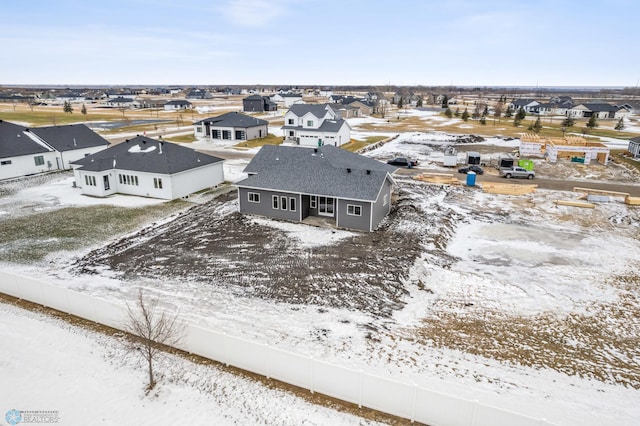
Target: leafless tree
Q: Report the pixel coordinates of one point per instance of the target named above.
(123, 109)
(153, 328)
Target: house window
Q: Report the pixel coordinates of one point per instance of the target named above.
(291, 133)
(274, 201)
(120, 179)
(240, 135)
(283, 203)
(226, 134)
(292, 204)
(5, 162)
(90, 180)
(314, 201)
(215, 134)
(199, 129)
(39, 160)
(385, 199)
(136, 180)
(353, 210)
(157, 183)
(290, 121)
(310, 123)
(254, 197)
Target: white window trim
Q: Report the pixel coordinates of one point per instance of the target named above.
(292, 202)
(314, 202)
(256, 197)
(275, 202)
(354, 206)
(283, 203)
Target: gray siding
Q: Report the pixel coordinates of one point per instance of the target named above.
(353, 222)
(265, 206)
(379, 209)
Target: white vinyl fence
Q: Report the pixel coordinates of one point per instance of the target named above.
(383, 394)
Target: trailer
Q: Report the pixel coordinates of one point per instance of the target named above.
(450, 157)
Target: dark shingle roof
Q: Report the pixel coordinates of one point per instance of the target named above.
(178, 102)
(143, 154)
(601, 106)
(16, 141)
(68, 138)
(522, 102)
(233, 119)
(119, 100)
(319, 110)
(327, 171)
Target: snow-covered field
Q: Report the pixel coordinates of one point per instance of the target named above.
(518, 259)
(87, 378)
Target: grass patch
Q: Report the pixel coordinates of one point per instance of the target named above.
(54, 117)
(27, 239)
(270, 139)
(355, 145)
(183, 138)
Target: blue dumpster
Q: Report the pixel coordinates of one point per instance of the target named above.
(471, 179)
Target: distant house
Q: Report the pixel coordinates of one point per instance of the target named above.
(346, 110)
(121, 102)
(22, 153)
(315, 125)
(199, 94)
(177, 105)
(365, 107)
(25, 151)
(634, 147)
(291, 98)
(295, 183)
(257, 103)
(529, 106)
(149, 168)
(231, 126)
(71, 142)
(601, 110)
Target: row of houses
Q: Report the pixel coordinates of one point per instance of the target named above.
(564, 105)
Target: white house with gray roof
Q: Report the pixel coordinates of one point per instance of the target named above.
(149, 168)
(26, 151)
(294, 183)
(315, 125)
(231, 126)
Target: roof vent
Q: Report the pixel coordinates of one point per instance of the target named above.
(160, 145)
(315, 149)
(368, 172)
(348, 170)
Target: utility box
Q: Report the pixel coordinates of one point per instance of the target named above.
(450, 157)
(473, 158)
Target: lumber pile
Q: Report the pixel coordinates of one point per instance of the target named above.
(600, 192)
(438, 178)
(575, 204)
(508, 188)
(632, 201)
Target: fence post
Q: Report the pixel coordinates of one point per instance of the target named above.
(473, 412)
(360, 388)
(267, 351)
(313, 377)
(225, 347)
(414, 399)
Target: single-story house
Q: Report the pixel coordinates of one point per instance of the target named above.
(601, 110)
(22, 153)
(294, 183)
(530, 106)
(634, 147)
(177, 105)
(231, 126)
(291, 98)
(315, 125)
(257, 103)
(71, 142)
(148, 168)
(121, 102)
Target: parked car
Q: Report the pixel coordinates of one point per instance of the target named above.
(471, 168)
(403, 162)
(517, 172)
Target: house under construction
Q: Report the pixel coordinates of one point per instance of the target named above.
(573, 148)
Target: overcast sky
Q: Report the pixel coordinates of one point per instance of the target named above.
(322, 42)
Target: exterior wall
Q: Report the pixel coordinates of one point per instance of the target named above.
(24, 165)
(343, 220)
(382, 206)
(66, 157)
(311, 138)
(250, 132)
(176, 186)
(265, 206)
(250, 105)
(622, 113)
(256, 132)
(634, 148)
(190, 181)
(288, 101)
(199, 130)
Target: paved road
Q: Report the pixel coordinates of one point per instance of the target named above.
(543, 183)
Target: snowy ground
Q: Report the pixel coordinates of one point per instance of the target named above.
(540, 272)
(99, 382)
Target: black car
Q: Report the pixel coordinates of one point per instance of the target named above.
(471, 168)
(403, 162)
